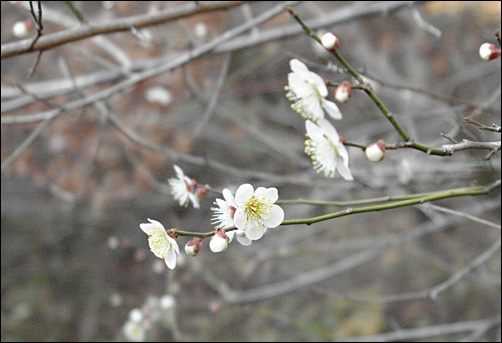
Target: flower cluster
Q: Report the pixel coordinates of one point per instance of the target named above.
(246, 216)
(308, 91)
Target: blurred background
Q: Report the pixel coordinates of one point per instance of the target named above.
(77, 267)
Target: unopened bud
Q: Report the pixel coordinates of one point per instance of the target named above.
(329, 41)
(219, 242)
(202, 192)
(342, 92)
(376, 151)
(488, 51)
(192, 247)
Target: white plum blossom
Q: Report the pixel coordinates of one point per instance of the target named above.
(308, 91)
(182, 188)
(223, 217)
(161, 244)
(325, 149)
(256, 210)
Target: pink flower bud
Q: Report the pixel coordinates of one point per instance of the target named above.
(488, 51)
(202, 192)
(342, 92)
(376, 151)
(193, 246)
(329, 41)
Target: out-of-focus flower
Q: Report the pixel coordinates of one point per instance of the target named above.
(193, 246)
(168, 310)
(488, 51)
(256, 210)
(182, 188)
(323, 146)
(134, 332)
(161, 244)
(219, 241)
(329, 41)
(308, 91)
(158, 95)
(22, 29)
(376, 151)
(134, 328)
(342, 92)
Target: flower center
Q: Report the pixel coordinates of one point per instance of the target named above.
(257, 210)
(158, 243)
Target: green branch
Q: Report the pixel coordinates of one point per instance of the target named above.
(398, 201)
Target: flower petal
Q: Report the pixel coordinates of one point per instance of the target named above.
(332, 109)
(271, 194)
(298, 67)
(154, 226)
(170, 259)
(243, 193)
(276, 218)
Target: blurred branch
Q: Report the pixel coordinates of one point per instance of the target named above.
(338, 16)
(479, 260)
(26, 144)
(465, 215)
(119, 25)
(429, 331)
(378, 248)
(153, 72)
